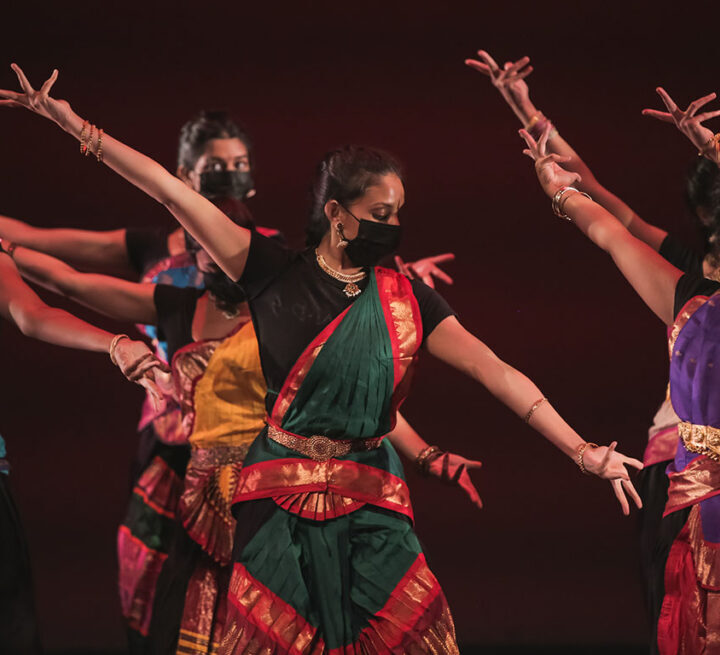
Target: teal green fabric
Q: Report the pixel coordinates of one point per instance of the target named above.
(336, 574)
(4, 466)
(347, 392)
(152, 528)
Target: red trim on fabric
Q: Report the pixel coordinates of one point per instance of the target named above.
(283, 490)
(239, 569)
(682, 309)
(384, 288)
(281, 501)
(202, 342)
(139, 491)
(267, 231)
(304, 357)
(126, 530)
(690, 503)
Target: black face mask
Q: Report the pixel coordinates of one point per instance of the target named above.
(233, 184)
(374, 241)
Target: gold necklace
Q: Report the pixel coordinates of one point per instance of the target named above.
(351, 289)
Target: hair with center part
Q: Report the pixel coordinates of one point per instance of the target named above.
(208, 125)
(345, 175)
(703, 191)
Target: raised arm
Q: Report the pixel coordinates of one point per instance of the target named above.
(652, 277)
(111, 296)
(454, 345)
(20, 305)
(101, 251)
(226, 242)
(510, 81)
(430, 460)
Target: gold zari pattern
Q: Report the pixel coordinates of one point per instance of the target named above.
(701, 439)
(318, 447)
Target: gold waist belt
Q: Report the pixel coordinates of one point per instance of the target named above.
(321, 448)
(702, 439)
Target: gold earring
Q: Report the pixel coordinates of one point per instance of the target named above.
(343, 241)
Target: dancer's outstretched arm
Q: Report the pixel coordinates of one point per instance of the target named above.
(21, 305)
(453, 344)
(510, 81)
(446, 466)
(226, 242)
(102, 251)
(111, 296)
(651, 275)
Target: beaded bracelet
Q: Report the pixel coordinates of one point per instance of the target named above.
(581, 452)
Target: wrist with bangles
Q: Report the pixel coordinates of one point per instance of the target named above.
(86, 141)
(560, 198)
(537, 124)
(580, 453)
(425, 457)
(113, 346)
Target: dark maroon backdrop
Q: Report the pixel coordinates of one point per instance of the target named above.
(550, 559)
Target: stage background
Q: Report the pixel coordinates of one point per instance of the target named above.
(550, 560)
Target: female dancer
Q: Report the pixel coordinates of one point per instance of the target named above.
(689, 621)
(210, 341)
(703, 195)
(20, 305)
(337, 337)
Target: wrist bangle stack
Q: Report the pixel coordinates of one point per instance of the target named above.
(581, 452)
(537, 125)
(535, 405)
(426, 456)
(86, 138)
(113, 346)
(560, 198)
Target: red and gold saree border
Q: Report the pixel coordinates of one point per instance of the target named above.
(698, 481)
(275, 478)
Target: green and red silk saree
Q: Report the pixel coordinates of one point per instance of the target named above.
(335, 566)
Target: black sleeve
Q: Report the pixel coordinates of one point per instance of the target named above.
(681, 256)
(267, 258)
(433, 307)
(145, 247)
(175, 309)
(689, 286)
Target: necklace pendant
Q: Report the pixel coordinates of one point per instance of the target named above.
(351, 290)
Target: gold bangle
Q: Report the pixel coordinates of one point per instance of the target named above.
(113, 345)
(533, 121)
(83, 147)
(89, 140)
(535, 405)
(581, 452)
(99, 153)
(560, 198)
(422, 461)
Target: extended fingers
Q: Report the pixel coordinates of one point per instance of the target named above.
(445, 257)
(441, 275)
(402, 266)
(660, 115)
(10, 103)
(700, 102)
(707, 115)
(45, 88)
(620, 495)
(630, 489)
(492, 64)
(532, 146)
(635, 463)
(466, 485)
(478, 66)
(428, 279)
(520, 63)
(669, 102)
(24, 82)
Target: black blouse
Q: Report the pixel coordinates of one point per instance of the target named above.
(175, 308)
(292, 300)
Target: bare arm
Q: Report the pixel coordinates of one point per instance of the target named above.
(97, 251)
(652, 277)
(454, 345)
(226, 242)
(510, 82)
(111, 296)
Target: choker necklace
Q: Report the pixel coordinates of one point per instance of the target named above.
(351, 289)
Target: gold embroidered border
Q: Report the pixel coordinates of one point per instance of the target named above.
(698, 480)
(701, 439)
